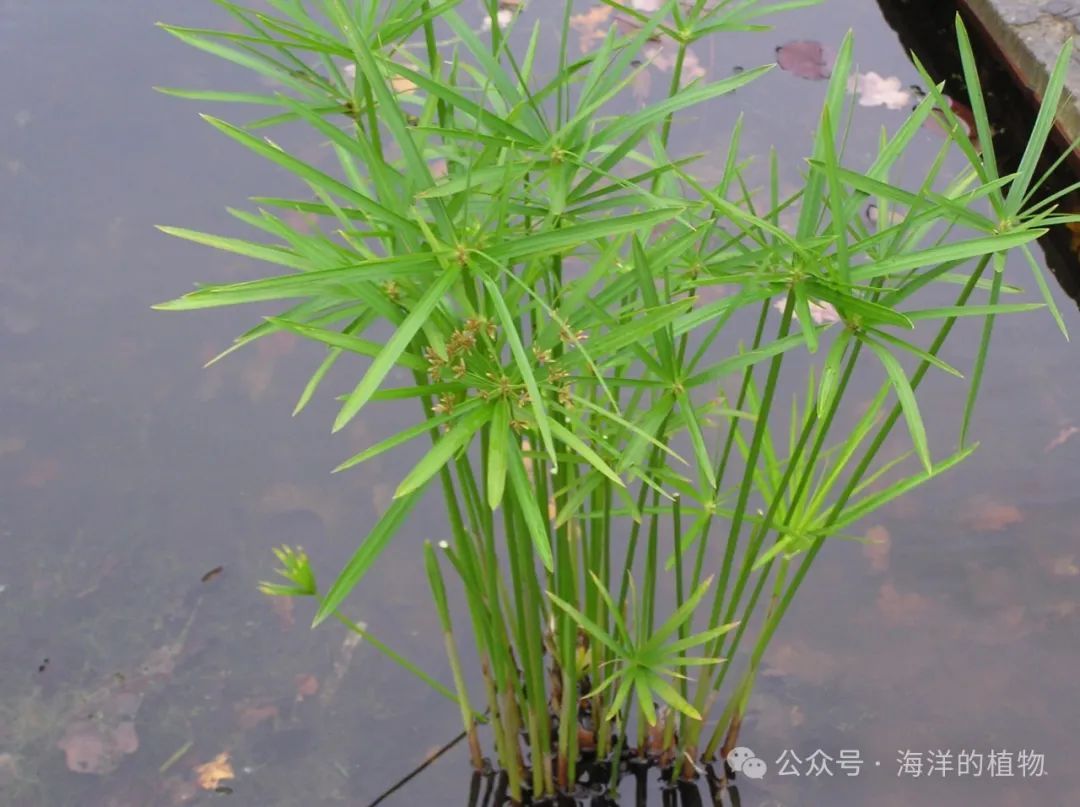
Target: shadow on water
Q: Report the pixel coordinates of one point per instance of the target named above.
(927, 29)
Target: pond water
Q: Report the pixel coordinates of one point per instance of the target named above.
(129, 473)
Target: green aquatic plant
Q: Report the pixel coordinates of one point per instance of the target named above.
(628, 500)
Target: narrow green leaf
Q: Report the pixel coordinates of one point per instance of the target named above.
(498, 437)
(524, 366)
(359, 564)
(396, 345)
(906, 396)
(526, 502)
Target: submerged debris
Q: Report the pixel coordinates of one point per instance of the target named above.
(102, 732)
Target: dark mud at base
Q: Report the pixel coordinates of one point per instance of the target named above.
(129, 473)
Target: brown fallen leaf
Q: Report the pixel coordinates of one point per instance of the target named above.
(211, 774)
(984, 514)
(877, 548)
(306, 686)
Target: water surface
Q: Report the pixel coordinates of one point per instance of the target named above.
(129, 472)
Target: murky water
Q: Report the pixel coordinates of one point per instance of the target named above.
(128, 473)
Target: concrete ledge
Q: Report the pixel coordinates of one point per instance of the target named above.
(1030, 33)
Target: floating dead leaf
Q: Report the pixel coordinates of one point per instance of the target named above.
(590, 26)
(211, 774)
(1062, 437)
(1065, 566)
(985, 514)
(877, 548)
(901, 608)
(876, 90)
(306, 686)
(806, 59)
(251, 712)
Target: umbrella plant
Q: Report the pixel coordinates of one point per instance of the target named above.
(594, 338)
